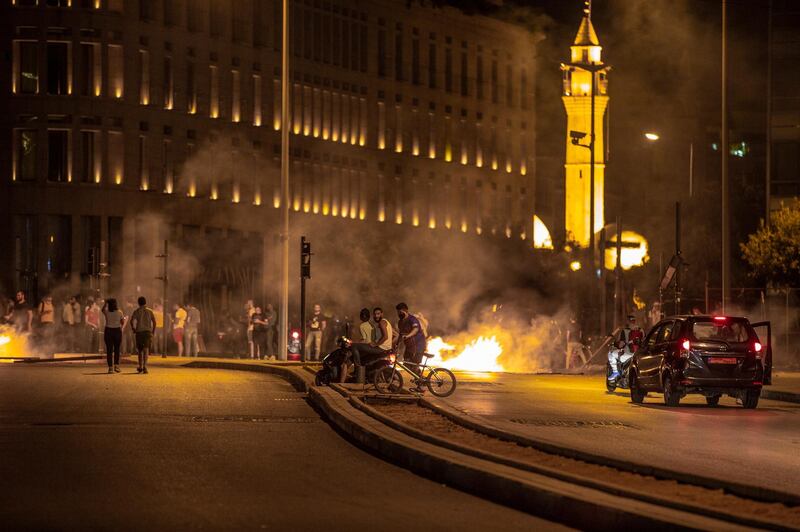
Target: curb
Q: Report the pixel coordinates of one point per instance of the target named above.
(485, 427)
(778, 395)
(550, 498)
(600, 485)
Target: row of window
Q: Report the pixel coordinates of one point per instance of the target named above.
(319, 112)
(457, 66)
(337, 36)
(328, 187)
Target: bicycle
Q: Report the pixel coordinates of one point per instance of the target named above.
(440, 381)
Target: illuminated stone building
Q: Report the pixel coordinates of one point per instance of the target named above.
(416, 117)
(585, 62)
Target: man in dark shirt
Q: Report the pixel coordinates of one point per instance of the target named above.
(23, 314)
(411, 334)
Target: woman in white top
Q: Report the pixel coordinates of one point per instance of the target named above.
(115, 321)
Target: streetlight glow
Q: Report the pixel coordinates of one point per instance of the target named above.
(651, 136)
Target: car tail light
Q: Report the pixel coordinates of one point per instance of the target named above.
(295, 335)
(720, 318)
(686, 346)
(757, 347)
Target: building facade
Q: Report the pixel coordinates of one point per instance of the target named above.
(133, 122)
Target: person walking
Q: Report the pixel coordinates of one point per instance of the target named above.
(178, 326)
(115, 321)
(315, 327)
(191, 330)
(143, 323)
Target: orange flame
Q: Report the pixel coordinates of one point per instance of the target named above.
(480, 354)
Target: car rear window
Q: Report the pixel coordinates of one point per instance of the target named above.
(731, 330)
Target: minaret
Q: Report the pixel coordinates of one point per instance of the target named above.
(577, 78)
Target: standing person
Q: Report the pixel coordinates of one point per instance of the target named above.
(115, 321)
(22, 314)
(260, 327)
(271, 317)
(191, 331)
(143, 323)
(77, 323)
(178, 325)
(158, 338)
(412, 336)
(92, 318)
(46, 313)
(315, 328)
(366, 329)
(67, 321)
(247, 320)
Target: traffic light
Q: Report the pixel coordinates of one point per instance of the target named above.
(305, 258)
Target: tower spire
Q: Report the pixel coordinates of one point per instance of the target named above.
(587, 9)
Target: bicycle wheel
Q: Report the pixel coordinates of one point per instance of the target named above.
(388, 380)
(441, 382)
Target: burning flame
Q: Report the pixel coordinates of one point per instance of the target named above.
(480, 354)
(11, 345)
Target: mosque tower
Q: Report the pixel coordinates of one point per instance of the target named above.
(585, 62)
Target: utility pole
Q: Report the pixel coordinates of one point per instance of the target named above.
(618, 277)
(284, 235)
(724, 148)
(164, 278)
(768, 169)
(678, 254)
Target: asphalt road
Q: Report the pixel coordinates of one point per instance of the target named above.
(757, 447)
(192, 448)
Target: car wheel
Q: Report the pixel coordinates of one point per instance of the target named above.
(671, 396)
(750, 397)
(712, 400)
(637, 394)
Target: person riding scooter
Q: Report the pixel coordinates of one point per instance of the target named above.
(625, 345)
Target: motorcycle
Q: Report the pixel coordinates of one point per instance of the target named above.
(333, 361)
(621, 380)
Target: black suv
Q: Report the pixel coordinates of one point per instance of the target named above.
(707, 355)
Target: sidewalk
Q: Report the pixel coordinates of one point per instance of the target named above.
(785, 387)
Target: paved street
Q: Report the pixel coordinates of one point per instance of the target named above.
(760, 447)
(192, 448)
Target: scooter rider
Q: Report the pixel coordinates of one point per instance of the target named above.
(625, 345)
(379, 346)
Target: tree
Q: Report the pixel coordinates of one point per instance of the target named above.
(773, 252)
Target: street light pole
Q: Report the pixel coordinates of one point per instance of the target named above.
(724, 148)
(284, 235)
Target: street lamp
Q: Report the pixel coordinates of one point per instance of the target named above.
(651, 136)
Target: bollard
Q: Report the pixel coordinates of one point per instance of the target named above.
(361, 373)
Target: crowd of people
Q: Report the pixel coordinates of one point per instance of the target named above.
(95, 325)
(84, 325)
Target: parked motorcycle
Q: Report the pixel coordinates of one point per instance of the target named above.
(332, 364)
